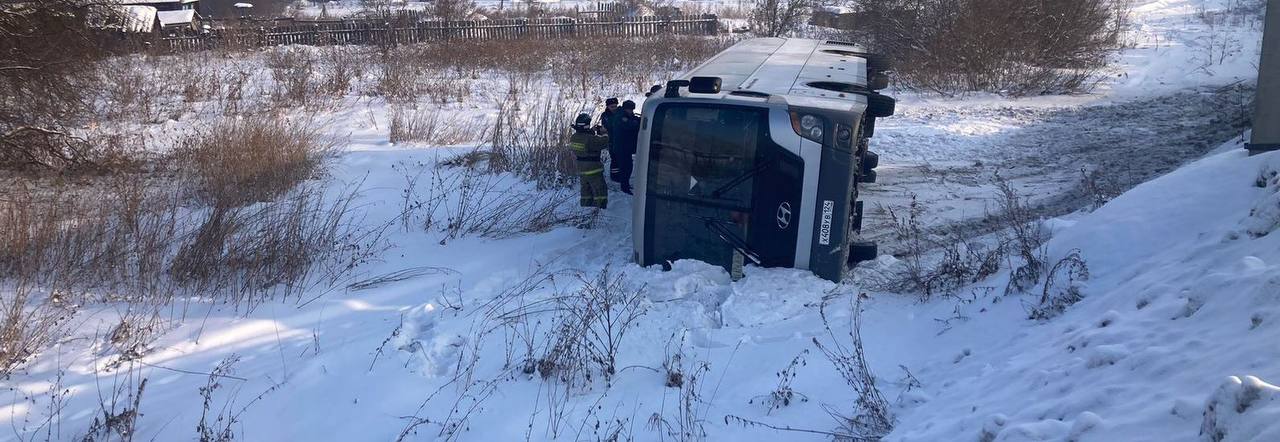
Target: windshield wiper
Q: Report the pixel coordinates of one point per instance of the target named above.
(734, 241)
(741, 178)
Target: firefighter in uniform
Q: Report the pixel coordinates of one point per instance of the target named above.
(586, 145)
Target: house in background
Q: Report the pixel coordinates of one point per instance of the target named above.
(834, 17)
(177, 22)
(124, 19)
(164, 5)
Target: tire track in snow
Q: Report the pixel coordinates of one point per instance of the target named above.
(948, 155)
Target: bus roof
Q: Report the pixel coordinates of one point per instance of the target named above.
(809, 73)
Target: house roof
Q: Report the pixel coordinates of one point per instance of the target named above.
(136, 19)
(170, 18)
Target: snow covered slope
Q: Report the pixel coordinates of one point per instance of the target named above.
(1181, 297)
(1174, 340)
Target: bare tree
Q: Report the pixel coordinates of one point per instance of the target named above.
(1006, 46)
(774, 18)
(47, 58)
(453, 9)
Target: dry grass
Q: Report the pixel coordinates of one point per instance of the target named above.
(242, 161)
(938, 264)
(293, 69)
(28, 324)
(109, 237)
(305, 240)
(429, 126)
(533, 143)
(229, 222)
(342, 67)
(473, 202)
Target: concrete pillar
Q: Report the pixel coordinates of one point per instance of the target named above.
(1266, 113)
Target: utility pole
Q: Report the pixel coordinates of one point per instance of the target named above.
(1266, 112)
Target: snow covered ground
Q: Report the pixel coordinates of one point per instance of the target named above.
(1182, 88)
(344, 8)
(1174, 338)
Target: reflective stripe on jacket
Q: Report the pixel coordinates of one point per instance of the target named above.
(586, 148)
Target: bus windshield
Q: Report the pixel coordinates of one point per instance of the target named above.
(708, 168)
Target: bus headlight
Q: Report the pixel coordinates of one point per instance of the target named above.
(844, 136)
(807, 122)
(808, 126)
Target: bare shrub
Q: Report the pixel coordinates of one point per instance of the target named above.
(47, 64)
(196, 75)
(1004, 46)
(1021, 230)
(446, 87)
(341, 66)
(120, 409)
(938, 264)
(128, 89)
(1062, 287)
(240, 161)
(135, 244)
(232, 92)
(778, 18)
(28, 324)
(35, 149)
(398, 74)
(452, 9)
(589, 330)
(292, 69)
(782, 395)
(218, 421)
(446, 70)
(534, 144)
(139, 325)
(1097, 188)
(685, 423)
(872, 418)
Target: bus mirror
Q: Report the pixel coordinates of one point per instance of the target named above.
(704, 85)
(673, 88)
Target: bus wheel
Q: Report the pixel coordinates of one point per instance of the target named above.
(870, 160)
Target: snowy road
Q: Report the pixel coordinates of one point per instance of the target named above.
(947, 153)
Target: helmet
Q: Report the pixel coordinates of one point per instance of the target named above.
(583, 120)
(631, 105)
(611, 100)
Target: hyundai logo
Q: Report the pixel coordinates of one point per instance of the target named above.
(784, 215)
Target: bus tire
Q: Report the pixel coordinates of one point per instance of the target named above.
(870, 160)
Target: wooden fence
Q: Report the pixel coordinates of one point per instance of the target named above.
(401, 32)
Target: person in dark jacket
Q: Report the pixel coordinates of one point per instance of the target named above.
(586, 145)
(610, 110)
(623, 136)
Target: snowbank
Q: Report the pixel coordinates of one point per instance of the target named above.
(1182, 295)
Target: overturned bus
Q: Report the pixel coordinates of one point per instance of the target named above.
(755, 156)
